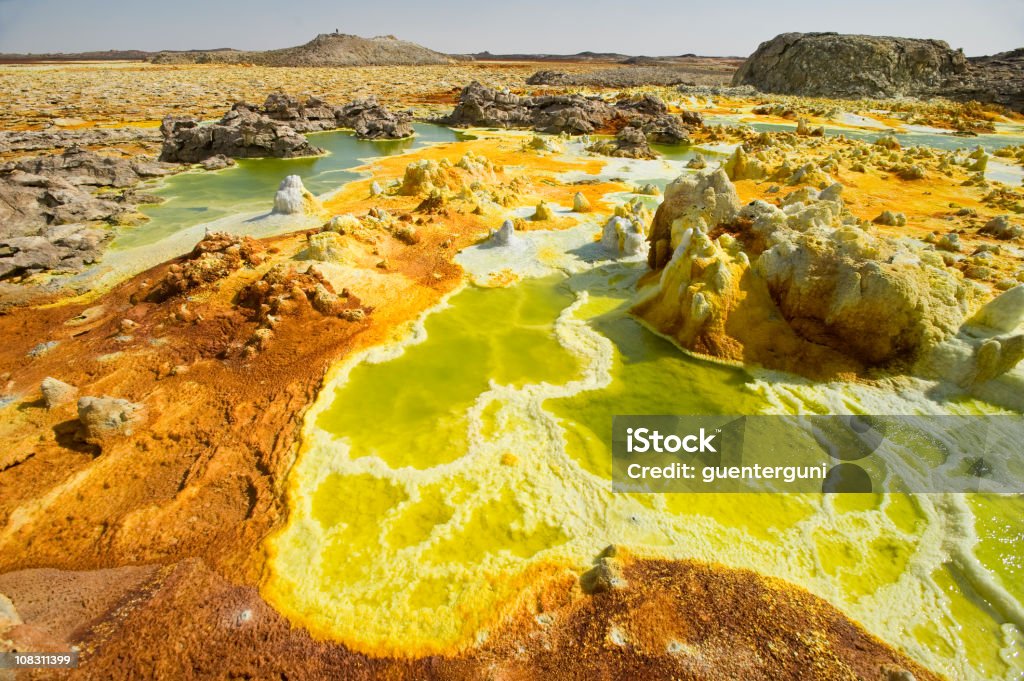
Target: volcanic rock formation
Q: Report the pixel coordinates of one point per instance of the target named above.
(274, 129)
(240, 134)
(838, 65)
(51, 217)
(480, 106)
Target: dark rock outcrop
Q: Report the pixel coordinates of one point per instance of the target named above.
(629, 143)
(44, 140)
(480, 106)
(617, 77)
(312, 115)
(836, 65)
(51, 215)
(371, 120)
(998, 79)
(242, 133)
(276, 129)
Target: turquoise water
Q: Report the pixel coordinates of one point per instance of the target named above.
(199, 197)
(935, 140)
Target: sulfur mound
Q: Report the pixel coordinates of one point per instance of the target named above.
(801, 288)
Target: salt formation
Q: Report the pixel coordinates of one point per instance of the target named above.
(624, 236)
(293, 198)
(741, 166)
(580, 204)
(504, 235)
(701, 200)
(802, 287)
(1004, 313)
(543, 212)
(421, 177)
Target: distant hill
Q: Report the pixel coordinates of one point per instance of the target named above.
(578, 57)
(104, 55)
(327, 49)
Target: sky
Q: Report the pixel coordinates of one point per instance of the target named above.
(649, 27)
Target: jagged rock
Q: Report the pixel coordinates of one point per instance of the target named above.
(998, 79)
(701, 200)
(241, 133)
(629, 143)
(615, 77)
(311, 115)
(480, 106)
(835, 65)
(371, 120)
(56, 392)
(47, 207)
(292, 198)
(79, 167)
(50, 139)
(102, 417)
(667, 129)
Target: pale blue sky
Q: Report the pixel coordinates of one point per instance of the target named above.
(654, 27)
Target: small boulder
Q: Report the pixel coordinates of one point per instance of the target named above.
(56, 392)
(102, 417)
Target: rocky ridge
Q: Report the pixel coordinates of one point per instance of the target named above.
(480, 106)
(276, 128)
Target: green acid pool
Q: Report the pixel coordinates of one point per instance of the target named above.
(439, 476)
